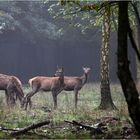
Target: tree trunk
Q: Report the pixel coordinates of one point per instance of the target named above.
(124, 74)
(106, 99)
(136, 36)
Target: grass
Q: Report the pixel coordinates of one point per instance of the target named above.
(87, 112)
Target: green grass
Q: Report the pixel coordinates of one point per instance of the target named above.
(87, 112)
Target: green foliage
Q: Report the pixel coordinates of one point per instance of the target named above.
(27, 17)
(83, 15)
(87, 14)
(6, 21)
(80, 14)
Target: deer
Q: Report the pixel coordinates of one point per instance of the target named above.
(73, 83)
(43, 83)
(12, 87)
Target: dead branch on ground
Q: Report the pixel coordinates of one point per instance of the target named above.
(18, 131)
(93, 129)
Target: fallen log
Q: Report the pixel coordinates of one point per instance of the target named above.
(8, 129)
(30, 127)
(94, 130)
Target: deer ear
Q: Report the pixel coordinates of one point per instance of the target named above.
(62, 69)
(84, 68)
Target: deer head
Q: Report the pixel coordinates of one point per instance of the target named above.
(59, 72)
(86, 70)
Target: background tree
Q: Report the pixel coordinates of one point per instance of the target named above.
(90, 11)
(106, 100)
(22, 16)
(136, 31)
(124, 74)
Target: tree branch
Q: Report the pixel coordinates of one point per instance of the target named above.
(28, 128)
(8, 129)
(136, 11)
(114, 22)
(95, 130)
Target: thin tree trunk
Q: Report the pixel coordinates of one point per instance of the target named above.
(124, 74)
(106, 99)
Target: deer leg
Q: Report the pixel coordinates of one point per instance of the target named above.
(58, 91)
(27, 101)
(7, 97)
(10, 93)
(76, 97)
(16, 96)
(54, 95)
(30, 103)
(26, 104)
(12, 100)
(28, 97)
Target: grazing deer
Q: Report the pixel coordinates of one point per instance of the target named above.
(12, 87)
(41, 83)
(75, 83)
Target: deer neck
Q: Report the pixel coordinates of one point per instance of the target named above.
(84, 78)
(61, 78)
(20, 93)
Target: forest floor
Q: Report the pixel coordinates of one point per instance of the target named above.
(115, 124)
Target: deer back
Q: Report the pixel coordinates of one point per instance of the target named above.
(44, 83)
(4, 81)
(47, 83)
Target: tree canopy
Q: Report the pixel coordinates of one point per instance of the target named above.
(27, 18)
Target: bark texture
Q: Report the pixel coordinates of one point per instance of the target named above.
(106, 99)
(124, 74)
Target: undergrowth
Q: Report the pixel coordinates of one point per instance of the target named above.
(87, 113)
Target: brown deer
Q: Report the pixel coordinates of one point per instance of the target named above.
(12, 87)
(41, 83)
(75, 83)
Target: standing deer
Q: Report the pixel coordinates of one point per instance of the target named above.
(12, 87)
(41, 83)
(75, 83)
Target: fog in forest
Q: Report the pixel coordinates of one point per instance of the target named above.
(32, 44)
